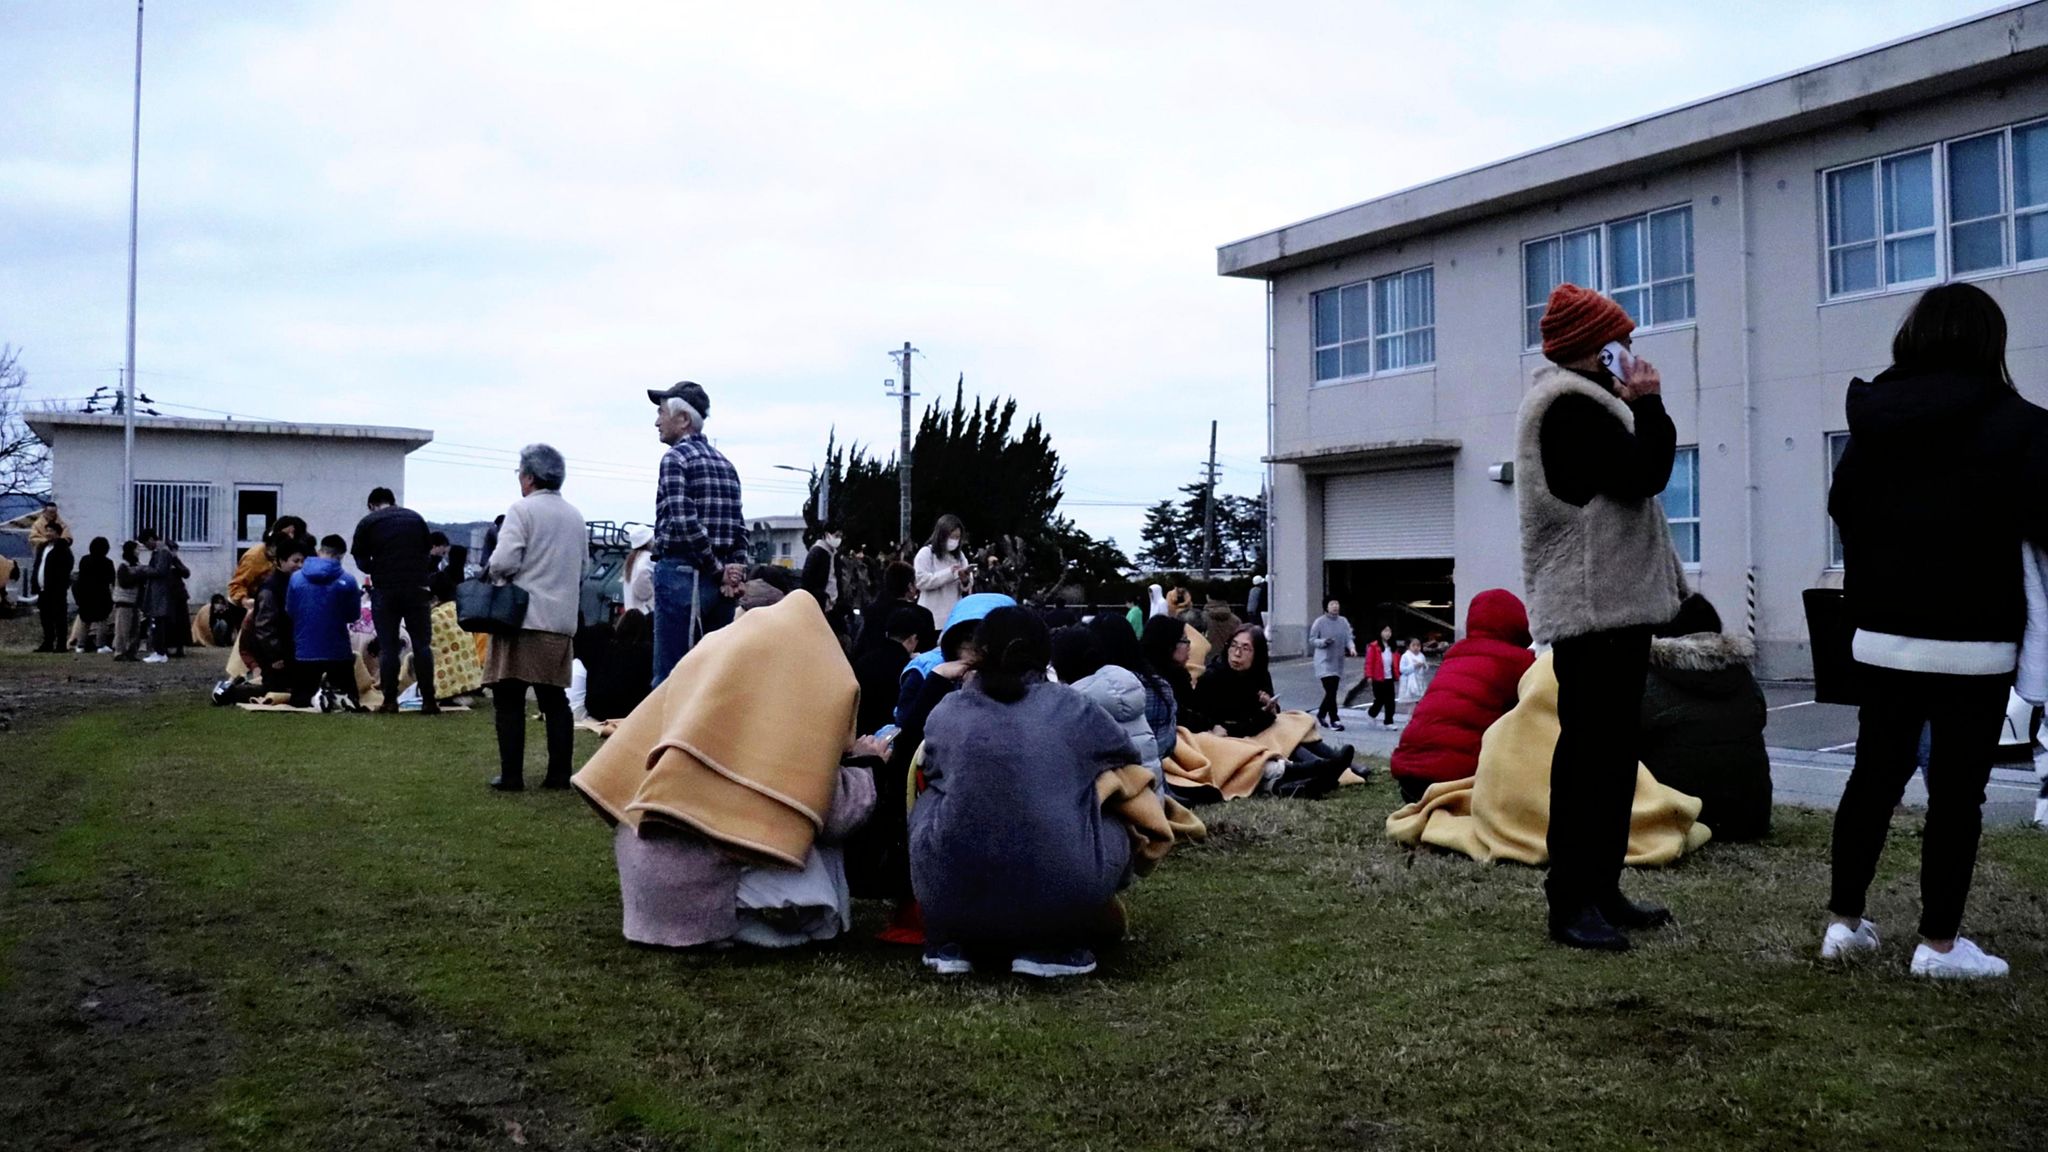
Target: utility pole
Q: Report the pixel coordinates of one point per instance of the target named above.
(1209, 507)
(903, 450)
(128, 525)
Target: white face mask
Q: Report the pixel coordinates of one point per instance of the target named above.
(832, 542)
(953, 545)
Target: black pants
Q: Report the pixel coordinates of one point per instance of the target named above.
(1383, 693)
(55, 615)
(307, 676)
(1593, 772)
(508, 701)
(413, 607)
(1326, 712)
(1965, 712)
(1412, 789)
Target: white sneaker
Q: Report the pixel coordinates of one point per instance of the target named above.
(2041, 812)
(156, 658)
(1965, 961)
(104, 651)
(1842, 942)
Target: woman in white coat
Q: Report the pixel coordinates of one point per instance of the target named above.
(943, 572)
(541, 549)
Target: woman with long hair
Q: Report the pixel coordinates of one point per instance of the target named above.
(1936, 642)
(1011, 854)
(943, 571)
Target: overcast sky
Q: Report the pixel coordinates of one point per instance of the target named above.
(504, 221)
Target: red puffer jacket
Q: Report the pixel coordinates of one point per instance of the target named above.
(1476, 686)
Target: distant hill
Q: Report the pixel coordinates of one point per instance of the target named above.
(468, 533)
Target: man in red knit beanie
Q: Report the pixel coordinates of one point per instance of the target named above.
(1594, 451)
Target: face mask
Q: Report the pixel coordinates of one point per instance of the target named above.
(953, 545)
(832, 542)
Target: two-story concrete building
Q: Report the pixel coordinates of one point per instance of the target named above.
(216, 486)
(1767, 241)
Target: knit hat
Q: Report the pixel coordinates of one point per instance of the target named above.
(1579, 321)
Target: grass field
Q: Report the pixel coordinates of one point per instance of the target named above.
(222, 930)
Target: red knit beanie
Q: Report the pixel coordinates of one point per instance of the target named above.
(1579, 322)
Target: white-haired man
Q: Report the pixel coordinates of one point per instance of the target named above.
(700, 535)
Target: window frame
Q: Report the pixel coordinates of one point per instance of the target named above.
(1831, 461)
(1603, 240)
(1374, 287)
(185, 488)
(1944, 222)
(1694, 520)
(235, 512)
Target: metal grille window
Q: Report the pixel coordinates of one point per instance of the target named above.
(1374, 326)
(181, 510)
(1682, 505)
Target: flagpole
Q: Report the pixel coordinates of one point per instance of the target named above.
(128, 525)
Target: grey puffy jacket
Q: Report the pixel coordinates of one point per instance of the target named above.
(1120, 693)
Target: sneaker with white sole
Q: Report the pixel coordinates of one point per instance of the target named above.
(1051, 966)
(948, 960)
(2041, 812)
(156, 658)
(1842, 942)
(1965, 961)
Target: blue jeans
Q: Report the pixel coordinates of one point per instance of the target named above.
(676, 586)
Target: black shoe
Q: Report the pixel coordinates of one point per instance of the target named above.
(1337, 725)
(390, 708)
(1623, 912)
(1588, 930)
(555, 783)
(430, 708)
(500, 784)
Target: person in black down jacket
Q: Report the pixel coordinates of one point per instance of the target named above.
(1703, 722)
(1936, 594)
(1236, 695)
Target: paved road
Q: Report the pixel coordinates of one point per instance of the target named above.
(1811, 746)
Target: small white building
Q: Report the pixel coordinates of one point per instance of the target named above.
(216, 486)
(777, 540)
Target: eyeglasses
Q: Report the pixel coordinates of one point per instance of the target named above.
(1246, 648)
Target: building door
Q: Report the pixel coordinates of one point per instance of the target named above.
(1389, 539)
(256, 511)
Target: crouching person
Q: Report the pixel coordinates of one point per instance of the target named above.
(1703, 722)
(1011, 853)
(322, 601)
(268, 646)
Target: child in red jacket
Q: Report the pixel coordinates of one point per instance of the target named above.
(1476, 686)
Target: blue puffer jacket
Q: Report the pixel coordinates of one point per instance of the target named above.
(324, 600)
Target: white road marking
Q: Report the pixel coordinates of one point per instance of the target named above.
(1840, 747)
(1801, 704)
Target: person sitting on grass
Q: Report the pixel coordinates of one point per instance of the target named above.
(269, 648)
(322, 600)
(1236, 695)
(1011, 854)
(1703, 722)
(880, 669)
(1476, 686)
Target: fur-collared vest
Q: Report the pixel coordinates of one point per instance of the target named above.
(1607, 565)
(1703, 730)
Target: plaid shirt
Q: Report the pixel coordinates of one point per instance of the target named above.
(697, 507)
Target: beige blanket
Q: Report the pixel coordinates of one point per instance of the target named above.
(1232, 765)
(742, 742)
(1503, 811)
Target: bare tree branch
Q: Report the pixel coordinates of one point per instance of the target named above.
(24, 459)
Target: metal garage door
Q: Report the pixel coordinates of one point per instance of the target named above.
(1401, 515)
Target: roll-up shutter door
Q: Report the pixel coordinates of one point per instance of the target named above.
(1400, 515)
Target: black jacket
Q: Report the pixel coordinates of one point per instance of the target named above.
(878, 671)
(1703, 730)
(393, 546)
(268, 642)
(1230, 698)
(874, 626)
(1943, 477)
(94, 588)
(1587, 452)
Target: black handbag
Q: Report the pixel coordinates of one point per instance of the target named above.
(497, 609)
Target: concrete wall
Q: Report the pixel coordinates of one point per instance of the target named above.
(323, 481)
(1804, 352)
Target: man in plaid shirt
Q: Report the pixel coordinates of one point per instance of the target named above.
(700, 539)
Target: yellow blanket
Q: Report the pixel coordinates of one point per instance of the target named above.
(1154, 822)
(1503, 812)
(1198, 651)
(1231, 765)
(741, 743)
(457, 671)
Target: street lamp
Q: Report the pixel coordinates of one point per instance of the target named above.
(824, 488)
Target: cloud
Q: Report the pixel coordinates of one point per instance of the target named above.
(505, 221)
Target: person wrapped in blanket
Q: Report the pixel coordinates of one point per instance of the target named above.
(1236, 699)
(1012, 857)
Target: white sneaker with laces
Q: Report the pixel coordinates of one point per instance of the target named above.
(2041, 812)
(1842, 942)
(1965, 961)
(104, 651)
(156, 658)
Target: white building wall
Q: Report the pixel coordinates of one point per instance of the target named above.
(1802, 356)
(325, 481)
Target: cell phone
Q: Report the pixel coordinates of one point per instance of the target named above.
(1616, 358)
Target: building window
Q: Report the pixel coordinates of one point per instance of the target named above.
(181, 510)
(1838, 442)
(1373, 326)
(1904, 221)
(1648, 269)
(255, 512)
(785, 549)
(1682, 505)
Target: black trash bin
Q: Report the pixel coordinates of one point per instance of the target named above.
(1831, 635)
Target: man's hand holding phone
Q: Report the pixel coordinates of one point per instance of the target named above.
(1634, 377)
